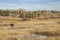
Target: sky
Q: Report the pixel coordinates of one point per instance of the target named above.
(30, 4)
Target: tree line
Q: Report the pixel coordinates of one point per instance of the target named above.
(30, 14)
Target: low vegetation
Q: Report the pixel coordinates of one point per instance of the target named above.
(29, 25)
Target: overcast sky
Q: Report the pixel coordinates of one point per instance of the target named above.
(30, 4)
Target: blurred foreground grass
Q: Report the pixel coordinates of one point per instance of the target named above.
(29, 30)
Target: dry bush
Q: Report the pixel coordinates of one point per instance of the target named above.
(58, 22)
(12, 38)
(1, 38)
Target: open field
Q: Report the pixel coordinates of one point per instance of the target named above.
(29, 30)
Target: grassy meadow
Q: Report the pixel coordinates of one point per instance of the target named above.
(45, 29)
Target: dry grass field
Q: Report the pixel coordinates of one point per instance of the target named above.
(48, 29)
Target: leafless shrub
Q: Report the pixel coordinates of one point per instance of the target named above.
(12, 38)
(58, 22)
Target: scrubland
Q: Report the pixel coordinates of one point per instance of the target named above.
(45, 29)
(29, 25)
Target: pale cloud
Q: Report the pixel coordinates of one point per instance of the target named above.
(34, 0)
(50, 6)
(2, 4)
(26, 6)
(54, 3)
(8, 6)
